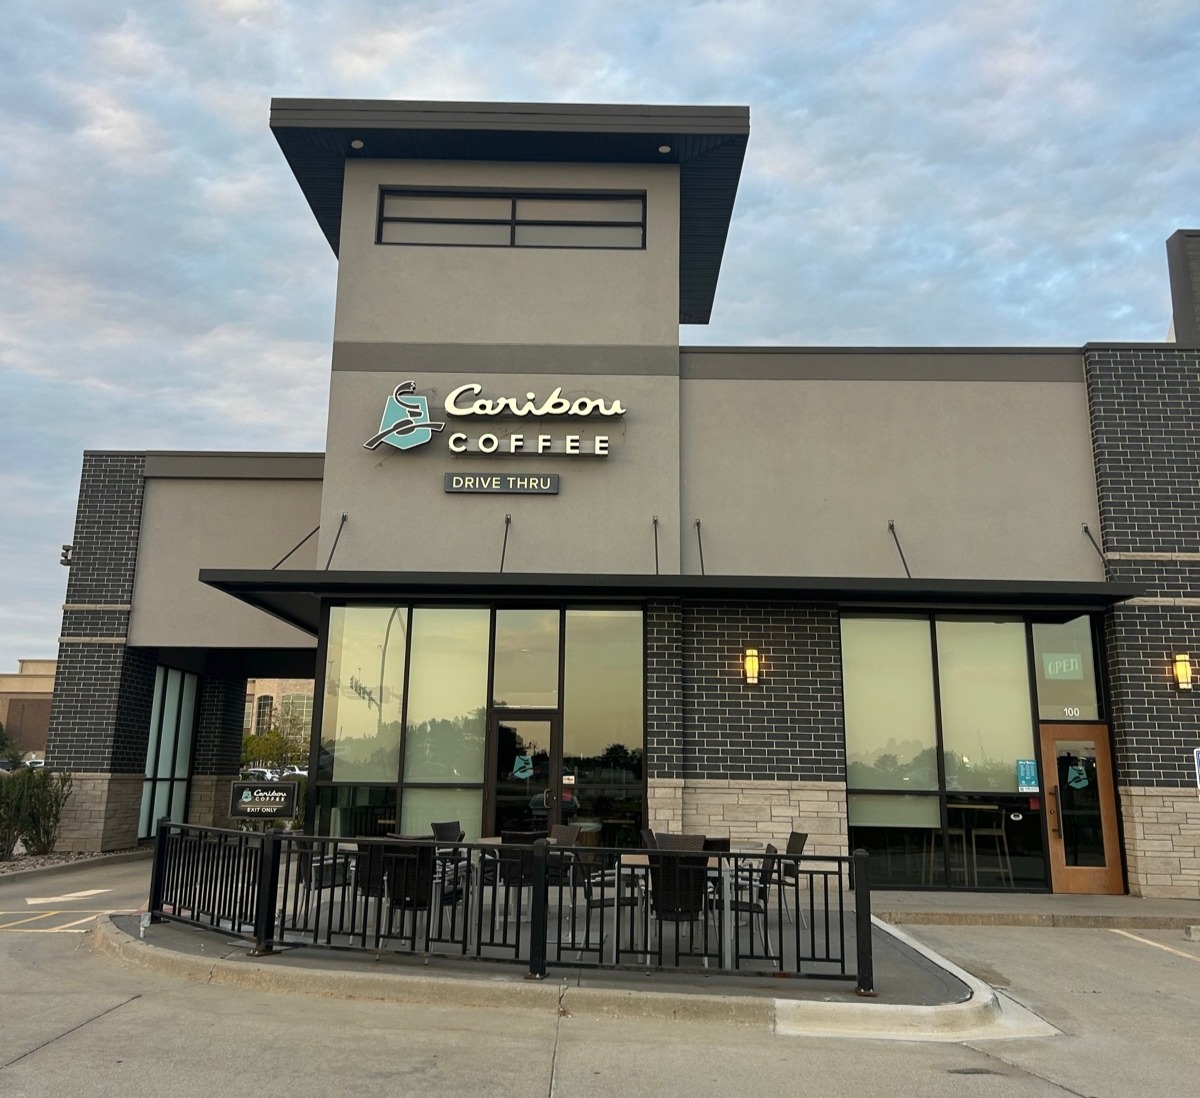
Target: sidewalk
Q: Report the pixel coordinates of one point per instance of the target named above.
(1033, 909)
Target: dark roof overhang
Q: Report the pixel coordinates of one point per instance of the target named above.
(296, 596)
(708, 144)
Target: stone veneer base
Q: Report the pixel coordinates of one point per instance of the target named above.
(758, 811)
(101, 813)
(208, 802)
(1162, 841)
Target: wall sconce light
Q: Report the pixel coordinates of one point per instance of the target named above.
(750, 665)
(1183, 671)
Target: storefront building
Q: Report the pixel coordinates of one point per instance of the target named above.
(553, 567)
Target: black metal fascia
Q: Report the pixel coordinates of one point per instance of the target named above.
(707, 143)
(294, 596)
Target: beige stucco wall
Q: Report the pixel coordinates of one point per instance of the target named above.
(418, 294)
(400, 518)
(192, 523)
(984, 479)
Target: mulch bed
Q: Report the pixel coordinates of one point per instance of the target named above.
(20, 860)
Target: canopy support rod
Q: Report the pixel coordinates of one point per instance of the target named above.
(295, 547)
(336, 539)
(1099, 551)
(700, 543)
(656, 545)
(899, 547)
(504, 547)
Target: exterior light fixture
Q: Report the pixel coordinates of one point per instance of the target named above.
(1183, 671)
(356, 144)
(750, 665)
(664, 149)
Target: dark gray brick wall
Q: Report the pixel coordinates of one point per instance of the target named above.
(789, 726)
(100, 713)
(664, 690)
(704, 721)
(107, 521)
(1144, 404)
(219, 726)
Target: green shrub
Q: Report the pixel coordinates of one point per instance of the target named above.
(12, 810)
(44, 796)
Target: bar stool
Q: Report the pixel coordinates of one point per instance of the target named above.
(1003, 866)
(929, 876)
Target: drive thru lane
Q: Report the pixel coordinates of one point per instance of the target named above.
(68, 901)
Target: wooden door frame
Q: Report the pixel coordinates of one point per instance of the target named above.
(1105, 880)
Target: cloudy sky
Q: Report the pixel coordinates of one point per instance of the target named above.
(919, 173)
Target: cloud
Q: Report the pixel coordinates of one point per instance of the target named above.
(997, 172)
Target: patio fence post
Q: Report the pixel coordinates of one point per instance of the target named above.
(862, 924)
(537, 916)
(268, 887)
(158, 872)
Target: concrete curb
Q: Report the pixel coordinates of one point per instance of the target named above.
(977, 1017)
(500, 991)
(66, 867)
(1036, 919)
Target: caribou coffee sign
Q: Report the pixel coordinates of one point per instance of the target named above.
(407, 422)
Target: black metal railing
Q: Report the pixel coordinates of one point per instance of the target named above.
(543, 905)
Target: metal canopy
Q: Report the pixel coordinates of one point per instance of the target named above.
(708, 144)
(296, 596)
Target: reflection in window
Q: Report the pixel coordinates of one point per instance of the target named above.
(987, 725)
(364, 693)
(526, 668)
(1066, 671)
(603, 721)
(570, 220)
(168, 749)
(887, 683)
(348, 810)
(447, 702)
(422, 807)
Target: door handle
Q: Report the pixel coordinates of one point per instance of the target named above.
(546, 799)
(1054, 820)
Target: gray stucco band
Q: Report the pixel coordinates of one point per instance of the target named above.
(182, 465)
(882, 364)
(515, 358)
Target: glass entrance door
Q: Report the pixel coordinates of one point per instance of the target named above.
(526, 791)
(1081, 811)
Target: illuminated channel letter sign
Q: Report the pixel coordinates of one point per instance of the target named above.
(406, 423)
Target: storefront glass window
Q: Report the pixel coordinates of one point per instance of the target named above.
(887, 684)
(526, 671)
(364, 694)
(168, 749)
(422, 807)
(348, 810)
(987, 724)
(1066, 671)
(603, 723)
(447, 702)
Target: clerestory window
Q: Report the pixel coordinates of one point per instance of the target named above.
(512, 220)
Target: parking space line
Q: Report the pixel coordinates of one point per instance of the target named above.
(1157, 945)
(29, 919)
(77, 922)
